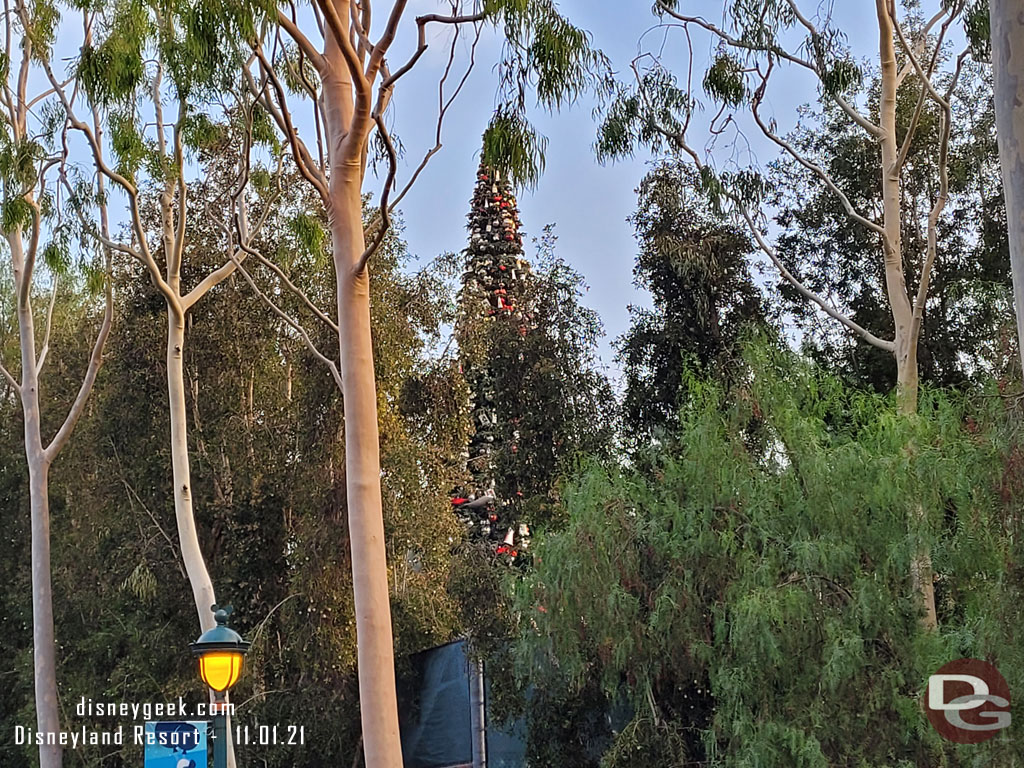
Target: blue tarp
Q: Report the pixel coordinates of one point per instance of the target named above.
(434, 712)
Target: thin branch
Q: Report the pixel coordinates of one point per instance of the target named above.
(385, 219)
(95, 361)
(734, 42)
(10, 379)
(49, 324)
(940, 200)
(819, 70)
(305, 46)
(132, 492)
(443, 107)
(288, 320)
(803, 290)
(300, 154)
(295, 289)
(808, 164)
(386, 39)
(901, 158)
(144, 256)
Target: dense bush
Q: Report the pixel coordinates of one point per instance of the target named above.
(751, 599)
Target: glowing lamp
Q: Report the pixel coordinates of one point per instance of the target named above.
(220, 652)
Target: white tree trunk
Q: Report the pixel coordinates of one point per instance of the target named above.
(375, 645)
(1007, 20)
(43, 640)
(188, 538)
(906, 330)
(347, 129)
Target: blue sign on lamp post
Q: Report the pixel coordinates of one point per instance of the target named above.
(171, 744)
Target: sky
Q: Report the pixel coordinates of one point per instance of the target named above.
(588, 203)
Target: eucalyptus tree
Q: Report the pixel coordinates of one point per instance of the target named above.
(335, 60)
(966, 317)
(135, 59)
(761, 46)
(40, 193)
(1006, 20)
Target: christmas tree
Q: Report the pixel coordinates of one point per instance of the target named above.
(494, 310)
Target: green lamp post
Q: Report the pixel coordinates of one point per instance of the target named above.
(220, 652)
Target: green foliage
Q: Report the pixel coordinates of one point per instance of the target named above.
(543, 50)
(724, 80)
(311, 236)
(753, 604)
(112, 70)
(127, 145)
(202, 133)
(966, 318)
(704, 301)
(513, 146)
(15, 214)
(978, 28)
(651, 114)
(57, 252)
(41, 28)
(19, 162)
(841, 78)
(263, 130)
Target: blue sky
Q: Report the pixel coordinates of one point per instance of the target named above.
(588, 203)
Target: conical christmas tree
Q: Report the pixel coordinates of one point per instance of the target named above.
(491, 303)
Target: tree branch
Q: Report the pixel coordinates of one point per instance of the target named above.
(305, 46)
(95, 361)
(49, 324)
(293, 324)
(808, 164)
(385, 219)
(282, 116)
(10, 379)
(804, 291)
(443, 106)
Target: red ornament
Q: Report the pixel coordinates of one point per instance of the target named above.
(459, 500)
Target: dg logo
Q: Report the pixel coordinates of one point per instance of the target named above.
(968, 701)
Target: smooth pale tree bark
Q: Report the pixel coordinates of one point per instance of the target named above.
(175, 218)
(348, 126)
(40, 457)
(907, 331)
(1007, 26)
(43, 639)
(906, 338)
(188, 538)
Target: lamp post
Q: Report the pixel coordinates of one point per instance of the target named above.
(220, 652)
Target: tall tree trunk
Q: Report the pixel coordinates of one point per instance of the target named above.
(906, 335)
(188, 538)
(375, 645)
(348, 122)
(44, 650)
(1007, 24)
(191, 553)
(43, 640)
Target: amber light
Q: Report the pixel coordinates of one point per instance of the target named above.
(220, 669)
